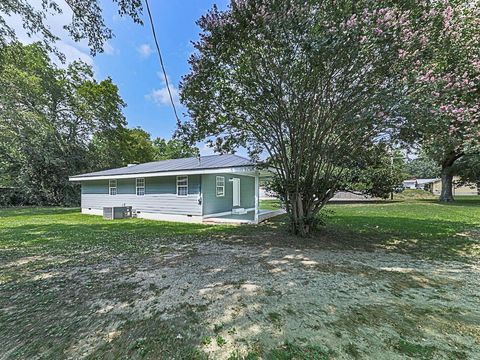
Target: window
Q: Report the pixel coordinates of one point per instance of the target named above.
(220, 186)
(112, 187)
(140, 186)
(182, 185)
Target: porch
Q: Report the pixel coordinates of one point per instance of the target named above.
(247, 218)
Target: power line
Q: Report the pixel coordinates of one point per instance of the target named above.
(161, 62)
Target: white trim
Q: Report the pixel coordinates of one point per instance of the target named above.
(225, 213)
(171, 217)
(228, 221)
(139, 187)
(270, 214)
(236, 192)
(92, 211)
(182, 186)
(222, 178)
(153, 216)
(245, 170)
(110, 187)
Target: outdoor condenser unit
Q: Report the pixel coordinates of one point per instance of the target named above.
(117, 212)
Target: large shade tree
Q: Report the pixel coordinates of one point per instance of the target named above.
(47, 119)
(121, 146)
(444, 88)
(307, 83)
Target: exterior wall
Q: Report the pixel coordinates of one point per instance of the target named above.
(469, 189)
(160, 196)
(213, 204)
(436, 187)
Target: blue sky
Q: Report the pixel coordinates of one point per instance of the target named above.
(130, 58)
(132, 62)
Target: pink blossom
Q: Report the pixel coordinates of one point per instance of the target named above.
(447, 16)
(402, 53)
(352, 21)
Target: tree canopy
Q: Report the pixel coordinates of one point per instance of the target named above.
(309, 83)
(48, 117)
(57, 122)
(443, 87)
(87, 20)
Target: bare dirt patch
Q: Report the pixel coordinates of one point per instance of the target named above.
(212, 298)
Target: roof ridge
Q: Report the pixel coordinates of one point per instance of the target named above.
(194, 158)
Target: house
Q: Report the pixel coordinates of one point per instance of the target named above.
(420, 184)
(217, 188)
(458, 189)
(435, 186)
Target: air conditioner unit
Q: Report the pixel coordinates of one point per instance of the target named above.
(117, 212)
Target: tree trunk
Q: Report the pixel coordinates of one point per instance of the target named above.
(447, 185)
(302, 220)
(447, 176)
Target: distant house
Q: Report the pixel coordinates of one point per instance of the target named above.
(223, 188)
(435, 186)
(466, 189)
(420, 184)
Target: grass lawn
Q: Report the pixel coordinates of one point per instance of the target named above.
(381, 280)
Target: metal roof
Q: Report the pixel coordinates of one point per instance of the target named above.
(193, 163)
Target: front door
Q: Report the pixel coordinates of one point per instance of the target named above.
(236, 192)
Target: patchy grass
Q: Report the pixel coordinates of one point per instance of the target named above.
(383, 280)
(270, 204)
(423, 228)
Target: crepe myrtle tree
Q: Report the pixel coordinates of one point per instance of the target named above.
(444, 88)
(308, 83)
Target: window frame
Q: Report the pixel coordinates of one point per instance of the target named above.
(217, 186)
(137, 187)
(111, 187)
(182, 186)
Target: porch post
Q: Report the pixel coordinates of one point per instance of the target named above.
(256, 198)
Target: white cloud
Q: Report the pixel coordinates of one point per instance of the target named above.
(108, 49)
(72, 50)
(145, 50)
(71, 53)
(205, 149)
(161, 96)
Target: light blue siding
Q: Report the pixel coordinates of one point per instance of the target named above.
(160, 195)
(213, 204)
(125, 186)
(95, 187)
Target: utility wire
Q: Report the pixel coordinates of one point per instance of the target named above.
(161, 62)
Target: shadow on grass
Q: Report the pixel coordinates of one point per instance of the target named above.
(422, 238)
(459, 201)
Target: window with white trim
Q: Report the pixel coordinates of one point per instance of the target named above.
(112, 187)
(140, 184)
(220, 186)
(182, 185)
